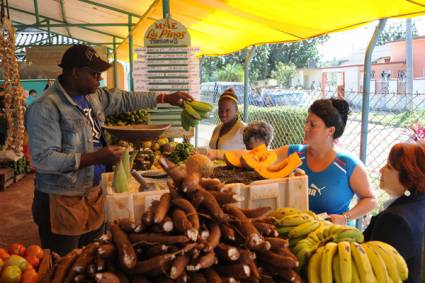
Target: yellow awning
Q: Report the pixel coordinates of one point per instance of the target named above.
(221, 27)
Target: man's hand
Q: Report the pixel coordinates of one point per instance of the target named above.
(110, 155)
(177, 98)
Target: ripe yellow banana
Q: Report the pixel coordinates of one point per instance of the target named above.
(283, 211)
(283, 231)
(294, 241)
(345, 265)
(399, 260)
(304, 229)
(313, 269)
(336, 270)
(192, 112)
(317, 234)
(389, 261)
(312, 214)
(305, 244)
(356, 275)
(326, 264)
(378, 264)
(348, 234)
(200, 106)
(362, 263)
(295, 219)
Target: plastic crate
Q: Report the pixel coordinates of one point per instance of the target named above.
(276, 193)
(129, 205)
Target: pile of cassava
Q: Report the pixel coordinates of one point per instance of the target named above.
(192, 234)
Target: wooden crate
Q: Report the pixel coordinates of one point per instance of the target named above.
(7, 177)
(276, 193)
(19, 177)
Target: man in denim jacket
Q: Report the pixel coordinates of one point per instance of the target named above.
(68, 150)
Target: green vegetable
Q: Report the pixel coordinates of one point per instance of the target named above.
(126, 162)
(181, 152)
(120, 180)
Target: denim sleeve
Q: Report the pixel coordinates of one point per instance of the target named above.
(116, 101)
(45, 140)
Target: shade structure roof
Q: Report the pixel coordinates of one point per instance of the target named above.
(216, 26)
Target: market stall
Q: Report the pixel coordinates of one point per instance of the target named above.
(245, 219)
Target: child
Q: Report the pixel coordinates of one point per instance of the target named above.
(257, 133)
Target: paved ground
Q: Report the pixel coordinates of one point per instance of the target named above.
(16, 224)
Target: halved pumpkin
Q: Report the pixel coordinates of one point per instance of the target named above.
(232, 159)
(280, 170)
(264, 159)
(261, 147)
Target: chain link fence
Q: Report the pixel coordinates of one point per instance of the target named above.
(390, 116)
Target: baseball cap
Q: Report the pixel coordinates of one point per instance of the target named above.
(80, 55)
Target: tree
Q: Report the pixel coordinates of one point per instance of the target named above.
(211, 66)
(230, 73)
(284, 73)
(301, 54)
(396, 31)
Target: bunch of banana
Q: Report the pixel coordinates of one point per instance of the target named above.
(306, 232)
(193, 112)
(353, 262)
(386, 262)
(326, 233)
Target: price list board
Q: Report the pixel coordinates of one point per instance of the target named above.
(167, 69)
(167, 64)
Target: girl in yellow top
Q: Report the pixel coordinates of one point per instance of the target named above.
(228, 135)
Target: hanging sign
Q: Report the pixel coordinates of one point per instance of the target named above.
(167, 32)
(167, 63)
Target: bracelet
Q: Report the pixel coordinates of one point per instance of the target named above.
(162, 98)
(347, 217)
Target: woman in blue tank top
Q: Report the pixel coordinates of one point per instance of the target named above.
(334, 176)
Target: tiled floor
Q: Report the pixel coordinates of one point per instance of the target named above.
(16, 224)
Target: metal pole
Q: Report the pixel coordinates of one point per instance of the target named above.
(366, 88)
(73, 25)
(58, 21)
(200, 79)
(48, 31)
(37, 18)
(130, 51)
(165, 9)
(246, 82)
(94, 3)
(409, 64)
(115, 63)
